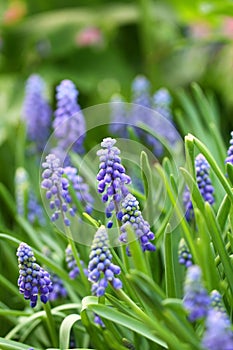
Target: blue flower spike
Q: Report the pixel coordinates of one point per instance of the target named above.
(101, 270)
(33, 280)
(196, 299)
(131, 215)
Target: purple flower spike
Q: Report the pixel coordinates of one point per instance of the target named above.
(184, 255)
(204, 184)
(81, 188)
(196, 300)
(101, 270)
(36, 112)
(33, 280)
(141, 91)
(216, 302)
(118, 116)
(229, 158)
(131, 215)
(218, 334)
(72, 265)
(69, 123)
(59, 291)
(111, 177)
(56, 187)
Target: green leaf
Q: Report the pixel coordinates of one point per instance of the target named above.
(6, 344)
(223, 212)
(216, 235)
(169, 264)
(136, 250)
(126, 321)
(65, 328)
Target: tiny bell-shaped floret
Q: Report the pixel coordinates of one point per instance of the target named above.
(184, 255)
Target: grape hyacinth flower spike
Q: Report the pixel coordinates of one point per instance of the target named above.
(101, 270)
(36, 112)
(184, 255)
(218, 334)
(111, 177)
(69, 123)
(33, 280)
(216, 302)
(59, 290)
(72, 265)
(131, 215)
(204, 183)
(229, 158)
(196, 300)
(56, 187)
(81, 188)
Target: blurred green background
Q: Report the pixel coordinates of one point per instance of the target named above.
(102, 45)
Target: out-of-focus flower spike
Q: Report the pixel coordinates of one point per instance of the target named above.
(81, 188)
(69, 123)
(119, 117)
(196, 299)
(72, 265)
(36, 112)
(218, 334)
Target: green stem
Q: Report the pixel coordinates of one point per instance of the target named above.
(50, 324)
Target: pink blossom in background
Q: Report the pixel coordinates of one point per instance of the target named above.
(14, 13)
(200, 30)
(90, 36)
(227, 28)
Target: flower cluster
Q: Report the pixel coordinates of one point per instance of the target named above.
(36, 112)
(229, 158)
(204, 184)
(111, 177)
(33, 279)
(81, 188)
(131, 215)
(59, 290)
(196, 300)
(101, 270)
(184, 255)
(72, 265)
(216, 301)
(56, 187)
(27, 204)
(141, 91)
(161, 102)
(118, 116)
(218, 334)
(69, 123)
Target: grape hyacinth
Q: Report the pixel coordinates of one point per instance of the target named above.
(229, 158)
(56, 187)
(131, 215)
(69, 123)
(161, 102)
(36, 112)
(81, 188)
(59, 290)
(218, 334)
(35, 211)
(33, 279)
(118, 116)
(141, 91)
(196, 300)
(72, 265)
(111, 177)
(216, 302)
(101, 270)
(204, 184)
(184, 255)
